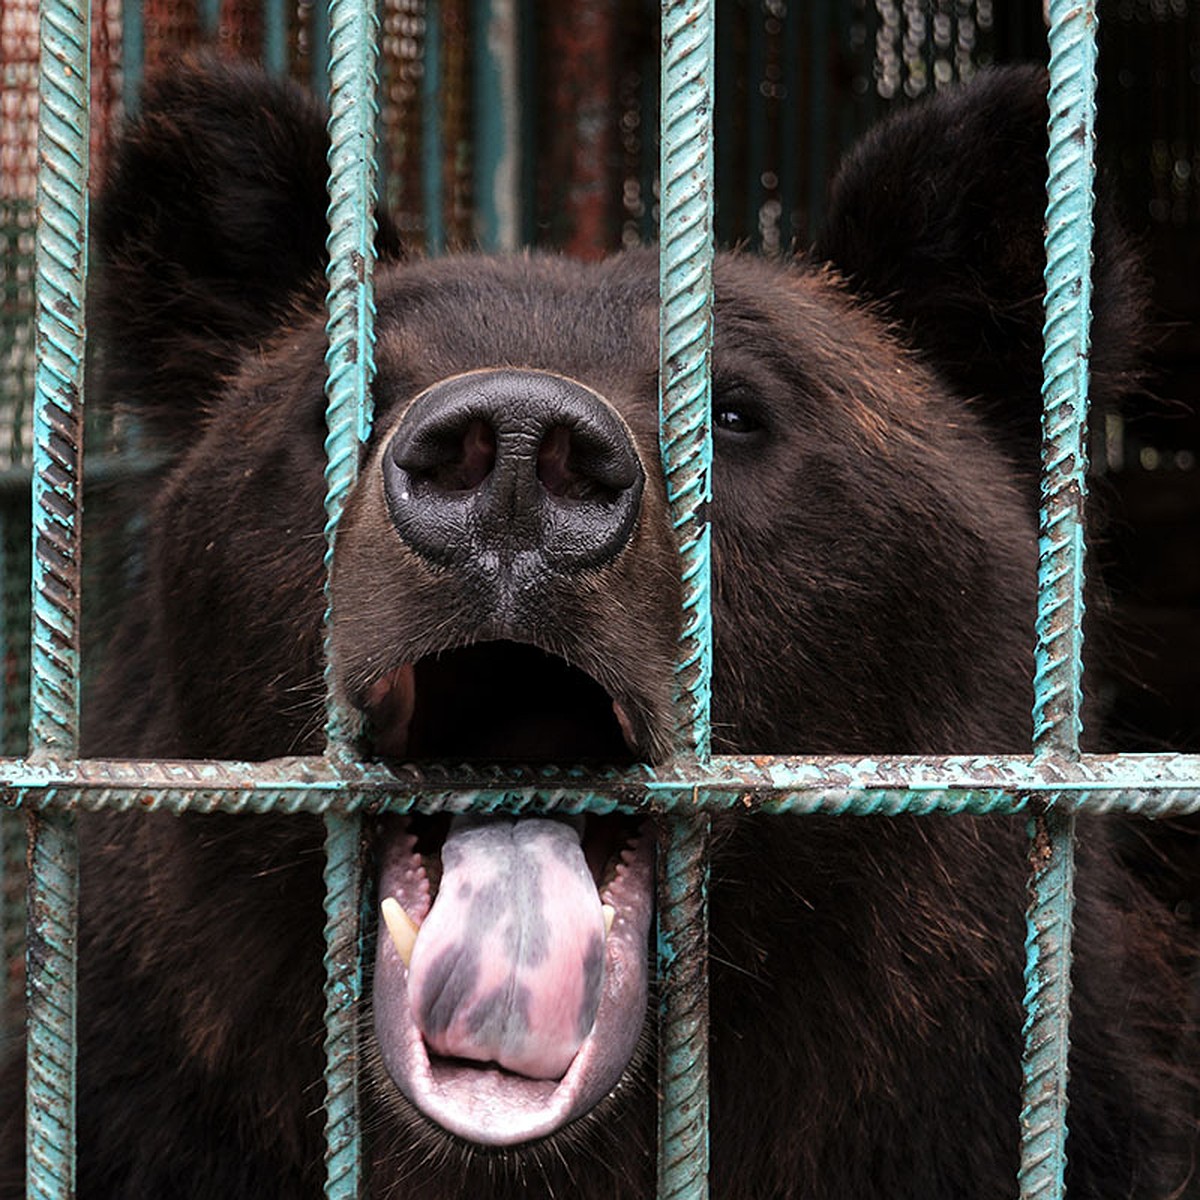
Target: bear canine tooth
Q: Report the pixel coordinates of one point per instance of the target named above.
(401, 927)
(608, 912)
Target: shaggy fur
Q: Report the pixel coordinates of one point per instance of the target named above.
(874, 553)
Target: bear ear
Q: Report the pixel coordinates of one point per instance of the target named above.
(938, 215)
(209, 225)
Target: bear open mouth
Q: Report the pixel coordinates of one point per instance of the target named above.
(503, 702)
(511, 965)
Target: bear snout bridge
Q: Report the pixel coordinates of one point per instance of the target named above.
(488, 465)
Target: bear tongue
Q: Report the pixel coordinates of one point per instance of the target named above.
(508, 966)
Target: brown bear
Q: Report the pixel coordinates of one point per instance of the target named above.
(505, 589)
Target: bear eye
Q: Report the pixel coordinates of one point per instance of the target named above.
(736, 418)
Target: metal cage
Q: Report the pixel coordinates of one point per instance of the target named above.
(1048, 787)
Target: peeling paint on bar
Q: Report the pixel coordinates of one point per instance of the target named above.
(1150, 785)
(53, 886)
(350, 359)
(685, 404)
(1058, 699)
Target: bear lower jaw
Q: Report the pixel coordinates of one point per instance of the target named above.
(481, 1102)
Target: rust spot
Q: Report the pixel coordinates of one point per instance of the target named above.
(1041, 849)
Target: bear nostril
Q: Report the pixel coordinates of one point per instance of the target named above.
(578, 465)
(449, 460)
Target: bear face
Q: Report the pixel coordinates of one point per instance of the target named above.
(506, 588)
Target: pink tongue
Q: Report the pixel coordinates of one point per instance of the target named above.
(509, 963)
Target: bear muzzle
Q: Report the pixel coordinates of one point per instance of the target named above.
(496, 518)
(513, 470)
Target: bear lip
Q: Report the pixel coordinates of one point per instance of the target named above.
(482, 1103)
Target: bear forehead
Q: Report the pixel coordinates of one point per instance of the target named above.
(784, 330)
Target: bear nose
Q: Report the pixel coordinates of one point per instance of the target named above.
(491, 465)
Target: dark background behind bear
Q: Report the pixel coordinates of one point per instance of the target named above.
(869, 971)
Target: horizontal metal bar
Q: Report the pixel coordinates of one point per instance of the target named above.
(1146, 784)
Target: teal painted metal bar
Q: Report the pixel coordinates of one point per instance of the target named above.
(1148, 785)
(275, 47)
(1058, 699)
(497, 124)
(133, 54)
(685, 290)
(350, 360)
(209, 13)
(61, 258)
(343, 994)
(58, 417)
(683, 1008)
(433, 149)
(685, 326)
(318, 67)
(50, 1007)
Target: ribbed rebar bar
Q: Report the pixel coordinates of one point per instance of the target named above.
(1058, 663)
(58, 414)
(50, 1007)
(343, 992)
(685, 287)
(350, 359)
(1058, 669)
(683, 1008)
(1148, 785)
(54, 692)
(686, 302)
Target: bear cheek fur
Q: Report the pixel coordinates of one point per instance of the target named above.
(811, 528)
(874, 522)
(244, 505)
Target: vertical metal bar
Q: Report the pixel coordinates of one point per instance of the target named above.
(350, 359)
(133, 53)
(54, 692)
(432, 141)
(209, 12)
(1058, 665)
(343, 993)
(318, 66)
(275, 36)
(1058, 700)
(685, 287)
(497, 105)
(686, 264)
(50, 1008)
(351, 363)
